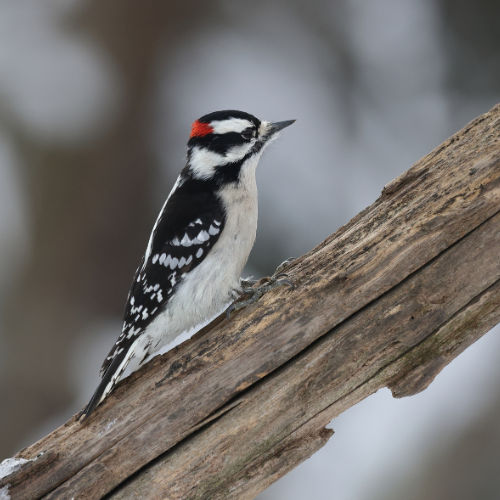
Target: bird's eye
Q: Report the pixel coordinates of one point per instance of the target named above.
(248, 133)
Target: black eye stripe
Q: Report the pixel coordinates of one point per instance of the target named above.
(220, 143)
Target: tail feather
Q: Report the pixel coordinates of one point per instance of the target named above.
(109, 379)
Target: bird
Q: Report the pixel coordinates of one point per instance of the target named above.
(199, 243)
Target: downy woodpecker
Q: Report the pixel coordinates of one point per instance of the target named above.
(199, 244)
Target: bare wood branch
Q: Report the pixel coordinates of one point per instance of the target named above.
(388, 300)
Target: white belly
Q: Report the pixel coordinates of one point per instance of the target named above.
(214, 283)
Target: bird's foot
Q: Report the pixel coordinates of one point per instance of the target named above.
(284, 264)
(252, 290)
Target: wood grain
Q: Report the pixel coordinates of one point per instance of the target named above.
(389, 299)
(365, 353)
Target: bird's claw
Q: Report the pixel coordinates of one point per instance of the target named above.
(265, 284)
(283, 265)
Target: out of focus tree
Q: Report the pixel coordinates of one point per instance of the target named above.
(83, 199)
(471, 39)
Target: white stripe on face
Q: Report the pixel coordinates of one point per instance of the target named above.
(230, 125)
(203, 161)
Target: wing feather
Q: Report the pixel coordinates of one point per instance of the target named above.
(181, 240)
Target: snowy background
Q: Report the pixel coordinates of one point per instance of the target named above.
(96, 102)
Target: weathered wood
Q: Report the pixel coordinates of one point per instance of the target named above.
(363, 354)
(389, 299)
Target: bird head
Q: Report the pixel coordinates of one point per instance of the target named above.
(223, 142)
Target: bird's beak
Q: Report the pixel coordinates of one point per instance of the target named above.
(277, 126)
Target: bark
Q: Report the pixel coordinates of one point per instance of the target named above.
(388, 300)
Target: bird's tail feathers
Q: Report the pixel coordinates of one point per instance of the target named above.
(109, 379)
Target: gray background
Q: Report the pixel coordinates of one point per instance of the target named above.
(96, 101)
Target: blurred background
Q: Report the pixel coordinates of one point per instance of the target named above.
(96, 102)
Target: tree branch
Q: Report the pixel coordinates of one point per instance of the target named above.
(388, 300)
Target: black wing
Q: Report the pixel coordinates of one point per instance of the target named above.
(189, 224)
(187, 227)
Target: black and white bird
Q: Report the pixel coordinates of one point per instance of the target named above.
(199, 244)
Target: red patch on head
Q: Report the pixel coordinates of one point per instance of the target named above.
(199, 129)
